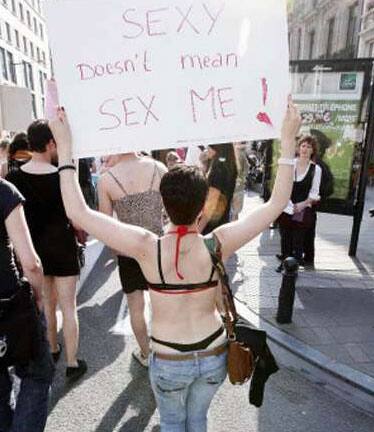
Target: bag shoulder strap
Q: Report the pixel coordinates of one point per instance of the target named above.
(214, 247)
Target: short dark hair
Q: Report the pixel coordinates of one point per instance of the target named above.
(184, 190)
(39, 135)
(19, 142)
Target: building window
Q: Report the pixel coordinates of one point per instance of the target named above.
(4, 68)
(371, 49)
(14, 9)
(330, 37)
(16, 34)
(32, 53)
(299, 34)
(41, 82)
(352, 25)
(25, 50)
(12, 68)
(41, 31)
(28, 18)
(21, 14)
(8, 33)
(33, 101)
(35, 26)
(43, 58)
(28, 75)
(38, 55)
(312, 36)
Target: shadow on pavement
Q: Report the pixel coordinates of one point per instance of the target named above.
(137, 395)
(98, 346)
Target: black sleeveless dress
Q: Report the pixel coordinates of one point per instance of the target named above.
(52, 233)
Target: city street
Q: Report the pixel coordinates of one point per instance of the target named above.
(115, 394)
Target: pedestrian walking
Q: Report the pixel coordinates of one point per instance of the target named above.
(241, 180)
(188, 358)
(4, 149)
(54, 239)
(299, 215)
(30, 411)
(19, 152)
(131, 190)
(222, 174)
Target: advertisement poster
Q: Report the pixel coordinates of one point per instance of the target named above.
(331, 104)
(153, 74)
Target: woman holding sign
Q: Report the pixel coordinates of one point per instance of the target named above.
(188, 358)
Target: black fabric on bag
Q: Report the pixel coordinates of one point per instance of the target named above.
(265, 366)
(251, 337)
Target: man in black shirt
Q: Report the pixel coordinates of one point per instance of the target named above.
(31, 407)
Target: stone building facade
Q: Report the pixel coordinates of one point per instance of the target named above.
(24, 52)
(320, 29)
(366, 46)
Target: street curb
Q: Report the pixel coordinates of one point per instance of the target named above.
(352, 377)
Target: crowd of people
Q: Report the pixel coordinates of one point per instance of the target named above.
(162, 220)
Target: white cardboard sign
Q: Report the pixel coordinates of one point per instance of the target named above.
(151, 74)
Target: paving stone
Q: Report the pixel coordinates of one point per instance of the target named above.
(336, 352)
(369, 350)
(355, 334)
(357, 353)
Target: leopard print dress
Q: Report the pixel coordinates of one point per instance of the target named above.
(143, 209)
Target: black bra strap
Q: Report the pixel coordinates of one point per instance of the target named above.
(159, 261)
(211, 274)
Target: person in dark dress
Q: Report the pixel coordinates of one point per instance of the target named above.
(54, 239)
(299, 216)
(30, 411)
(222, 174)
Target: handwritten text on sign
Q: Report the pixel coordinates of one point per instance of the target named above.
(150, 74)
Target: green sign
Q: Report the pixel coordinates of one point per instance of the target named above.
(348, 81)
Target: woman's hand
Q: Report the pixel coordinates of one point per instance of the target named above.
(299, 207)
(62, 135)
(290, 128)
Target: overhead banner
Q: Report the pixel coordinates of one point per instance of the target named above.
(152, 74)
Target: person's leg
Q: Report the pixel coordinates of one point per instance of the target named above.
(201, 392)
(50, 305)
(309, 242)
(136, 304)
(6, 413)
(170, 383)
(66, 292)
(298, 236)
(32, 402)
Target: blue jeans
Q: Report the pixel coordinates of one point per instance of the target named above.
(185, 389)
(31, 410)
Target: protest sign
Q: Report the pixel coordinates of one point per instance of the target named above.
(153, 74)
(51, 99)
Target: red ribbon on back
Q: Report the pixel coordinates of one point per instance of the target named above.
(181, 231)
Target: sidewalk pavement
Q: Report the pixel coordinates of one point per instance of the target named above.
(334, 304)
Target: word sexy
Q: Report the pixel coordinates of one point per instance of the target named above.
(158, 22)
(140, 111)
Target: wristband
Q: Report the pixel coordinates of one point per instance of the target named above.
(286, 161)
(67, 167)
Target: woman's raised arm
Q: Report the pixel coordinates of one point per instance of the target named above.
(236, 234)
(127, 239)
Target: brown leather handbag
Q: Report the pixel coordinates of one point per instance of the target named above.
(240, 359)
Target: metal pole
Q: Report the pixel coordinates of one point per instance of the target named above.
(359, 207)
